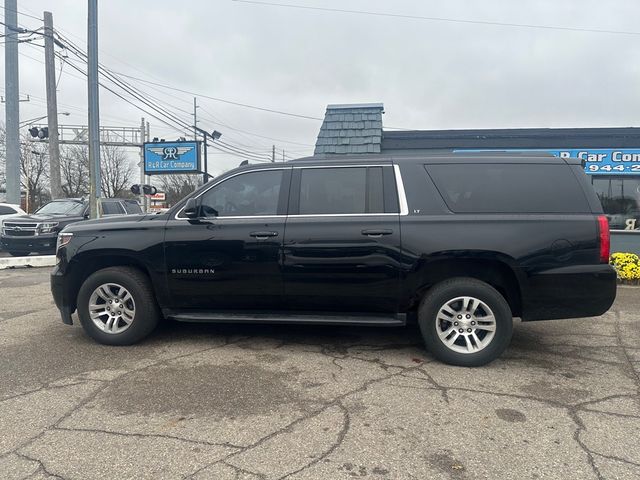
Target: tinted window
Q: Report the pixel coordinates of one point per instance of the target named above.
(112, 208)
(132, 207)
(247, 194)
(5, 210)
(620, 198)
(509, 188)
(341, 190)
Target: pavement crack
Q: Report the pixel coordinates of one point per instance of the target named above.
(41, 467)
(147, 435)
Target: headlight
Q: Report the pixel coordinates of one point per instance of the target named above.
(47, 227)
(63, 239)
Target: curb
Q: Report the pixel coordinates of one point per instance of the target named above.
(35, 261)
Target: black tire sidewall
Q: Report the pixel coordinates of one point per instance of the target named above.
(450, 289)
(146, 314)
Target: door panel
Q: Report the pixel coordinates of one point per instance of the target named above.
(342, 240)
(223, 264)
(331, 265)
(230, 257)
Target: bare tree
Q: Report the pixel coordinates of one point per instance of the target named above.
(74, 170)
(178, 186)
(116, 171)
(34, 165)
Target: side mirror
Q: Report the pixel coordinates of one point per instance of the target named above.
(191, 208)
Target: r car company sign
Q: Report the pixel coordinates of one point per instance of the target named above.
(171, 157)
(597, 161)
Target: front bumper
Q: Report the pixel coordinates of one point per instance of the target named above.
(61, 296)
(570, 292)
(37, 243)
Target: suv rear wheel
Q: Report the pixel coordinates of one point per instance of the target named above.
(465, 322)
(116, 306)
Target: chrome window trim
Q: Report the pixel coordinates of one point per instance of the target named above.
(402, 196)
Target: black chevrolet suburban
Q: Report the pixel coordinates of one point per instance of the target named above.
(459, 243)
(38, 232)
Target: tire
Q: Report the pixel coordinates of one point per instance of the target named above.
(443, 315)
(124, 327)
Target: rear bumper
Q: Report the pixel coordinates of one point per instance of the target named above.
(36, 243)
(570, 292)
(61, 296)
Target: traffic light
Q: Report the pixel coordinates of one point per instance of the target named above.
(149, 189)
(40, 133)
(145, 189)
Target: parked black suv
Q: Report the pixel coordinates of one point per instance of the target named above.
(462, 243)
(38, 232)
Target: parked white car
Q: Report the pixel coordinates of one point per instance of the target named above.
(9, 210)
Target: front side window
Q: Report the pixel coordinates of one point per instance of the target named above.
(247, 194)
(350, 190)
(620, 198)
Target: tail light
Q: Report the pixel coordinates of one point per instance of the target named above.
(605, 239)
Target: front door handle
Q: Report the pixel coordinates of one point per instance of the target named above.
(377, 233)
(263, 235)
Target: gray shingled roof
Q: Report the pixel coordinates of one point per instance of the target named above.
(351, 128)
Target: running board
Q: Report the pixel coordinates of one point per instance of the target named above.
(375, 319)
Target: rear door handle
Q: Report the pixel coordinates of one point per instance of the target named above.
(376, 233)
(263, 235)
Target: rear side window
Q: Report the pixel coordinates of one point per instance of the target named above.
(509, 188)
(112, 208)
(5, 210)
(132, 207)
(346, 190)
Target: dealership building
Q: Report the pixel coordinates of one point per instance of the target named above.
(611, 155)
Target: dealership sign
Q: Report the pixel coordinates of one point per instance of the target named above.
(171, 157)
(598, 161)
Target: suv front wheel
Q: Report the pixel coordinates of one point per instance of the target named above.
(465, 322)
(116, 306)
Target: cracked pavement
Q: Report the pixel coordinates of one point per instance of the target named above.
(271, 402)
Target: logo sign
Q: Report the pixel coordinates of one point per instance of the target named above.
(171, 157)
(597, 161)
(160, 197)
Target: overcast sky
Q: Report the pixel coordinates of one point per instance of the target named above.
(428, 74)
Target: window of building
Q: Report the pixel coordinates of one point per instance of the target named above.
(620, 198)
(247, 194)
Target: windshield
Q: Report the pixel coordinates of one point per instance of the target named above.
(65, 207)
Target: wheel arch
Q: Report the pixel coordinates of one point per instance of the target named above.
(495, 271)
(85, 265)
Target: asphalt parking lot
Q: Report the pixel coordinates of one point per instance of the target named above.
(257, 402)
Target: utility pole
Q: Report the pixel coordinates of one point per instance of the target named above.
(94, 114)
(12, 109)
(273, 154)
(142, 179)
(52, 107)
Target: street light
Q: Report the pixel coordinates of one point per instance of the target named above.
(215, 135)
(22, 124)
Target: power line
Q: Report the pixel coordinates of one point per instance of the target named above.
(443, 19)
(217, 99)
